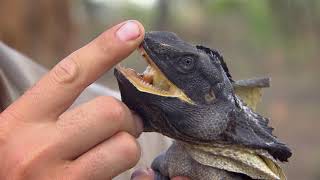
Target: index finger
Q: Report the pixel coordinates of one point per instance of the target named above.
(57, 90)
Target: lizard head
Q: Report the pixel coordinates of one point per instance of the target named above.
(191, 74)
(180, 79)
(187, 93)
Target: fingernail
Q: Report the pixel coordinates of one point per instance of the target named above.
(142, 173)
(139, 123)
(128, 31)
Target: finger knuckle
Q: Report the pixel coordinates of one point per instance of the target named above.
(11, 114)
(131, 147)
(66, 71)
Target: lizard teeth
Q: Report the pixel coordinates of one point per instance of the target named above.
(151, 79)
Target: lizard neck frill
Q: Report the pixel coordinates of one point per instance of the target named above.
(257, 164)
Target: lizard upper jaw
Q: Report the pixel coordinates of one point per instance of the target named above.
(152, 80)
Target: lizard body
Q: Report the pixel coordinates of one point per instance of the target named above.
(188, 94)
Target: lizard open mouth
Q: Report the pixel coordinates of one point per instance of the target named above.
(152, 80)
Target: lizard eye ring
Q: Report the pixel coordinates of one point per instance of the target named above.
(186, 63)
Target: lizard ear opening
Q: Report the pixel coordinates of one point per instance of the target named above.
(215, 56)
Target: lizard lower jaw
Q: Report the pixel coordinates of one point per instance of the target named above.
(152, 80)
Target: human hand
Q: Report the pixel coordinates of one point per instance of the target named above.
(41, 139)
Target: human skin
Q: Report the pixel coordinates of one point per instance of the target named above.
(41, 138)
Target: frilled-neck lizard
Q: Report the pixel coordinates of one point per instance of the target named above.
(187, 93)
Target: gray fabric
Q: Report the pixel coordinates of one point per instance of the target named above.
(18, 73)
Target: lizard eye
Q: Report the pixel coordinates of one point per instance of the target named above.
(186, 63)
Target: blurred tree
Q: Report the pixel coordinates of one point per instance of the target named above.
(42, 29)
(161, 21)
(295, 16)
